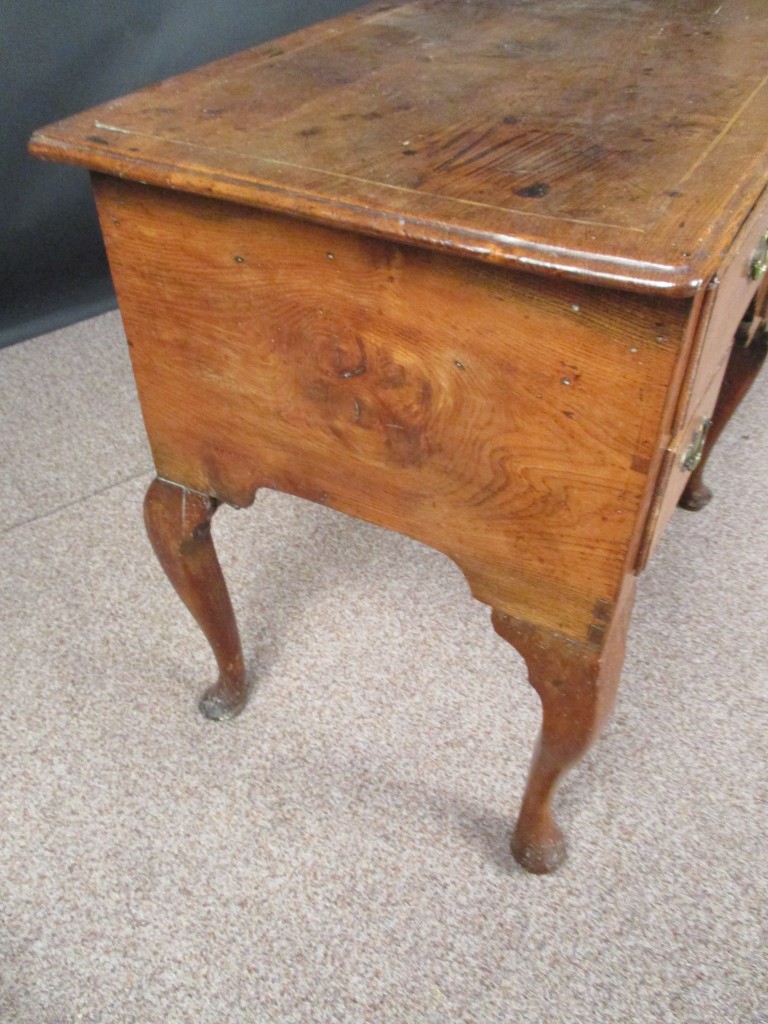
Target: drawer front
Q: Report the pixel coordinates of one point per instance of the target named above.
(731, 293)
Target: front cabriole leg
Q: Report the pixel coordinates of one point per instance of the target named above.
(179, 526)
(577, 685)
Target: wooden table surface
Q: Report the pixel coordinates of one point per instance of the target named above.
(619, 140)
(467, 269)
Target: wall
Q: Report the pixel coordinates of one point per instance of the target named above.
(59, 58)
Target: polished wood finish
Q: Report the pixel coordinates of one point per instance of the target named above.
(179, 527)
(728, 294)
(613, 141)
(435, 266)
(503, 419)
(577, 688)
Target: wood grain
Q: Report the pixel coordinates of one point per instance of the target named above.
(179, 527)
(466, 270)
(631, 157)
(577, 688)
(508, 421)
(728, 297)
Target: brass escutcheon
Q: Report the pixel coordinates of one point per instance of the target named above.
(759, 262)
(695, 450)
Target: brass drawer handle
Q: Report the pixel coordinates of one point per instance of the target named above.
(694, 452)
(759, 263)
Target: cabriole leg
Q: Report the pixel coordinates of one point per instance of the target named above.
(577, 686)
(179, 527)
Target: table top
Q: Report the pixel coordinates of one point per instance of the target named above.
(621, 141)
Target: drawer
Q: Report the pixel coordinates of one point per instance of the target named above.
(731, 293)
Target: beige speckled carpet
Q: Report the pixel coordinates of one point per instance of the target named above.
(339, 853)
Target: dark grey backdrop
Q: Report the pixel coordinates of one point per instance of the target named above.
(59, 58)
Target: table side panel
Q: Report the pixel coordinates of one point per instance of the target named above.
(508, 420)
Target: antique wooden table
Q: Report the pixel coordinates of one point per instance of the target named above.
(468, 269)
